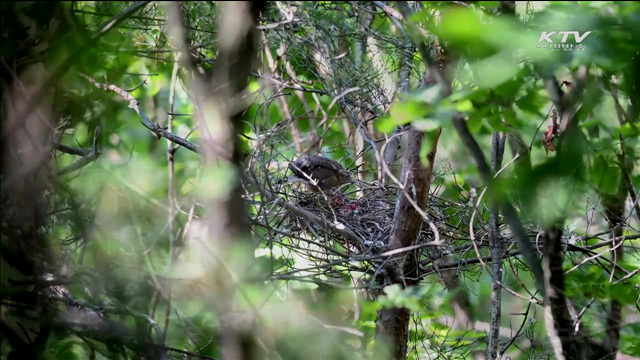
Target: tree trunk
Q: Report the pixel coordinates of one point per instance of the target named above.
(220, 107)
(392, 325)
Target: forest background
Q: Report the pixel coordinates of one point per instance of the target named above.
(494, 148)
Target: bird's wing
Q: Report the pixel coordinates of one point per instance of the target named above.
(327, 163)
(310, 164)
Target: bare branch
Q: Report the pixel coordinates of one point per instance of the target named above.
(495, 240)
(88, 157)
(135, 105)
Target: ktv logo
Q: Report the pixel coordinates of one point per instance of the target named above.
(546, 36)
(548, 43)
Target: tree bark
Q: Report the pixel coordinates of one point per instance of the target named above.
(614, 213)
(496, 254)
(557, 319)
(392, 325)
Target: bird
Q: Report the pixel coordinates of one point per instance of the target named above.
(318, 172)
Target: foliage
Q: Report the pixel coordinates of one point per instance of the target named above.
(331, 81)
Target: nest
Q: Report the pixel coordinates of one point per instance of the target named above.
(366, 213)
(321, 237)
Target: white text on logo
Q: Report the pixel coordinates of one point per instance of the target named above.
(546, 36)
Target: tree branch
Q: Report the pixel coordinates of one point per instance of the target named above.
(495, 240)
(88, 156)
(135, 105)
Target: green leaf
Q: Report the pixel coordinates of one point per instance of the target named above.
(385, 124)
(629, 130)
(464, 105)
(494, 70)
(427, 125)
(625, 293)
(605, 175)
(533, 101)
(512, 119)
(431, 95)
(403, 113)
(475, 121)
(495, 120)
(439, 118)
(81, 134)
(590, 123)
(393, 291)
(155, 84)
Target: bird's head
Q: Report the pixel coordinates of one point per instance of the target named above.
(345, 176)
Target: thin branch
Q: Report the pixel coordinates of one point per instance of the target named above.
(287, 86)
(171, 149)
(88, 157)
(135, 105)
(72, 151)
(495, 240)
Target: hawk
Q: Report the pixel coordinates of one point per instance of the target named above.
(318, 172)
